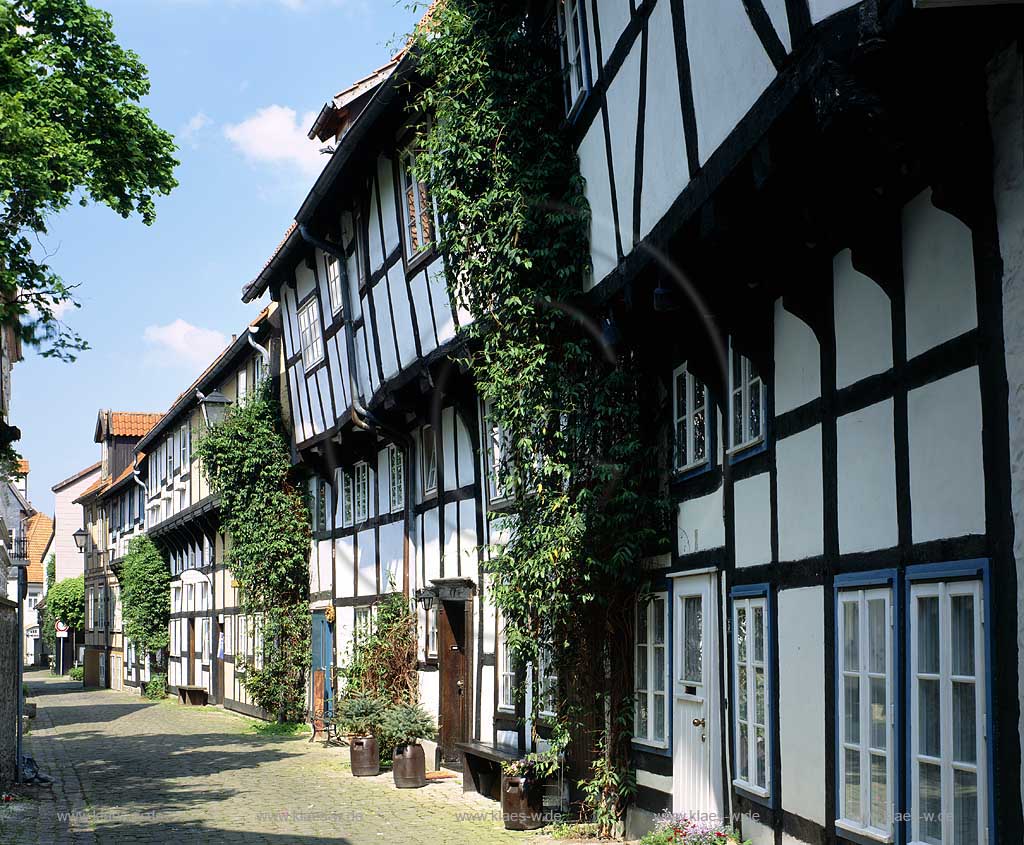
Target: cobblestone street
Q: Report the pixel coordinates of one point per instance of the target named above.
(130, 771)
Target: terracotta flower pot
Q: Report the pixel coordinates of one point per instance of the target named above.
(365, 756)
(409, 766)
(522, 803)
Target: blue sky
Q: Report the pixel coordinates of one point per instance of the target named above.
(238, 82)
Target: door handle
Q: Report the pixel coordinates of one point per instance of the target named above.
(698, 723)
(460, 684)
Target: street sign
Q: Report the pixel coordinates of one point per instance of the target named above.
(59, 627)
(62, 634)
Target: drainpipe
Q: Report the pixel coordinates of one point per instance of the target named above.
(261, 349)
(361, 416)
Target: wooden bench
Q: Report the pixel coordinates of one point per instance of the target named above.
(192, 696)
(322, 722)
(481, 761)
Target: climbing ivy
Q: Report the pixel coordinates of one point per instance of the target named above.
(145, 580)
(247, 461)
(382, 661)
(49, 632)
(503, 172)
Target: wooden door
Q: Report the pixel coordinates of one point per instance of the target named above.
(219, 664)
(696, 697)
(191, 675)
(455, 693)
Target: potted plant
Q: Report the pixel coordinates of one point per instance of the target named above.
(679, 829)
(359, 718)
(522, 792)
(406, 725)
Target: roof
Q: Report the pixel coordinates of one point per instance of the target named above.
(96, 487)
(22, 467)
(60, 485)
(126, 473)
(38, 531)
(131, 424)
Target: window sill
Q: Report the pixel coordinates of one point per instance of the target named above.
(420, 259)
(761, 796)
(650, 745)
(690, 471)
(313, 367)
(739, 453)
(861, 834)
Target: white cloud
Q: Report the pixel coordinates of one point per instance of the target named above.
(182, 344)
(59, 309)
(190, 131)
(277, 135)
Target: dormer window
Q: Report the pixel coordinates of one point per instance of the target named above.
(309, 335)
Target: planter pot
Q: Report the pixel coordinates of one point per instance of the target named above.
(365, 756)
(409, 767)
(522, 803)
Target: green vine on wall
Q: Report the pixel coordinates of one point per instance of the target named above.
(145, 580)
(247, 461)
(382, 661)
(504, 174)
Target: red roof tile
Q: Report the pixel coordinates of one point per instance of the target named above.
(130, 424)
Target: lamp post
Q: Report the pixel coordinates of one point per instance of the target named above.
(215, 407)
(80, 536)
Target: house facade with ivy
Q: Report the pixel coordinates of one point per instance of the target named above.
(210, 638)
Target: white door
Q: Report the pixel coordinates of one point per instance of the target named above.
(696, 694)
(103, 670)
(115, 673)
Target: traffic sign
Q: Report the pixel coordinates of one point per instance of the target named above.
(60, 627)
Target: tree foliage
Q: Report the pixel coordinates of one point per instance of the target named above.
(66, 602)
(247, 461)
(48, 632)
(71, 127)
(145, 580)
(503, 172)
(382, 662)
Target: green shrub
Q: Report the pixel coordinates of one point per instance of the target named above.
(678, 829)
(77, 673)
(24, 690)
(156, 688)
(407, 724)
(360, 715)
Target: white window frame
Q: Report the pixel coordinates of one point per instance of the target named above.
(547, 683)
(428, 450)
(432, 630)
(690, 410)
(347, 499)
(749, 377)
(362, 492)
(408, 180)
(495, 439)
(241, 385)
(332, 269)
(206, 639)
(746, 659)
(944, 592)
(572, 35)
(396, 479)
(507, 677)
(362, 625)
(310, 337)
(863, 674)
(644, 653)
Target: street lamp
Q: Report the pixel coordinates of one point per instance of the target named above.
(80, 536)
(214, 406)
(426, 596)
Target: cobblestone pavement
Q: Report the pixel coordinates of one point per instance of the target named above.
(128, 771)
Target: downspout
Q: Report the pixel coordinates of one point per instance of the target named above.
(261, 349)
(361, 416)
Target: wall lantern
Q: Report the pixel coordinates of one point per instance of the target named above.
(215, 407)
(426, 596)
(80, 536)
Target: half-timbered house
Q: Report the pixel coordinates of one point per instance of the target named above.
(806, 216)
(210, 639)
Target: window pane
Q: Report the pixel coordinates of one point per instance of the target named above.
(759, 705)
(659, 668)
(658, 610)
(876, 635)
(741, 634)
(851, 636)
(641, 625)
(659, 717)
(755, 410)
(851, 709)
(741, 683)
(759, 634)
(928, 718)
(879, 793)
(930, 803)
(699, 436)
(681, 459)
(964, 724)
(852, 784)
(743, 752)
(878, 713)
(681, 410)
(762, 776)
(641, 716)
(737, 417)
(962, 612)
(928, 634)
(692, 643)
(965, 808)
(641, 667)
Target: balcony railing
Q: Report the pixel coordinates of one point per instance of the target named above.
(18, 548)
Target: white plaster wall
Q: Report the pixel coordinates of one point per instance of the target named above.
(467, 539)
(798, 462)
(447, 449)
(366, 559)
(464, 459)
(753, 511)
(755, 832)
(867, 479)
(623, 100)
(451, 540)
(776, 10)
(947, 482)
(797, 361)
(304, 281)
(801, 626)
(485, 697)
(594, 167)
(389, 214)
(700, 524)
(424, 316)
(392, 555)
(431, 544)
(727, 80)
(821, 9)
(938, 275)
(863, 321)
(403, 318)
(666, 172)
(67, 520)
(444, 320)
(1006, 110)
(614, 16)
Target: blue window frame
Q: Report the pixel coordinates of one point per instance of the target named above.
(753, 650)
(693, 424)
(746, 427)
